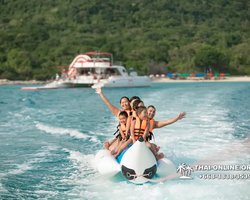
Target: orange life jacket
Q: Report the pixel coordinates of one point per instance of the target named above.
(133, 116)
(129, 112)
(140, 127)
(122, 127)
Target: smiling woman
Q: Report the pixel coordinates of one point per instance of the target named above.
(124, 102)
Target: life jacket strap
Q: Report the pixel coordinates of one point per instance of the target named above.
(116, 130)
(150, 135)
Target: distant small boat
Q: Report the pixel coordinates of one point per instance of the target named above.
(38, 88)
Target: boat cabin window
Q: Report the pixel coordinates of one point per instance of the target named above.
(112, 71)
(100, 72)
(100, 59)
(85, 71)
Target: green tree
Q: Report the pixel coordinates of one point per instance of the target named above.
(18, 62)
(210, 57)
(182, 36)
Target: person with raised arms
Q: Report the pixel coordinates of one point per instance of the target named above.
(125, 104)
(134, 103)
(152, 125)
(159, 124)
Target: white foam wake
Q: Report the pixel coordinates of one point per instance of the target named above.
(65, 131)
(80, 158)
(20, 169)
(83, 171)
(2, 189)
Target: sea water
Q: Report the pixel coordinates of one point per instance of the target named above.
(48, 140)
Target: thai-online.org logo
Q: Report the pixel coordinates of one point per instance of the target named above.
(185, 171)
(215, 171)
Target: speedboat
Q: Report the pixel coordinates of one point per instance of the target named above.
(137, 164)
(97, 70)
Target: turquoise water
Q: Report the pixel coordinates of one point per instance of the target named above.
(48, 140)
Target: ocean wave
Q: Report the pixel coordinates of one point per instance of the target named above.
(78, 157)
(20, 169)
(65, 131)
(47, 192)
(28, 165)
(2, 189)
(82, 171)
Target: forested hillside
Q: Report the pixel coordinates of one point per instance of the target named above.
(179, 36)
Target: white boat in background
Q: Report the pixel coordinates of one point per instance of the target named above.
(97, 70)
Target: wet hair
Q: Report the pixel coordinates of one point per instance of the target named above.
(134, 97)
(151, 106)
(140, 109)
(123, 113)
(136, 103)
(124, 98)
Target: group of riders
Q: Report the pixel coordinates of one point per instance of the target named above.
(135, 120)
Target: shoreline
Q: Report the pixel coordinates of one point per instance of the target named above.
(20, 82)
(201, 79)
(153, 80)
